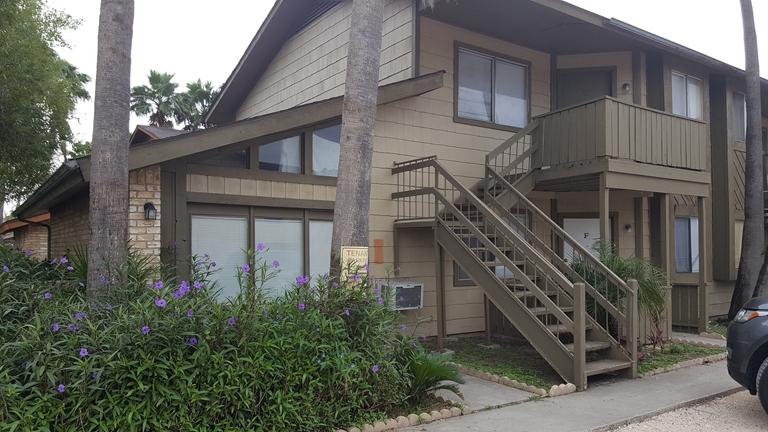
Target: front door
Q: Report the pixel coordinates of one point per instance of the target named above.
(586, 231)
(575, 86)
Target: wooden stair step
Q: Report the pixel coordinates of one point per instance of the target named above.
(560, 328)
(541, 310)
(521, 293)
(606, 365)
(591, 346)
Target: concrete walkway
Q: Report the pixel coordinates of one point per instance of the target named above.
(480, 394)
(599, 408)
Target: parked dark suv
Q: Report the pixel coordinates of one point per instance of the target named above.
(748, 348)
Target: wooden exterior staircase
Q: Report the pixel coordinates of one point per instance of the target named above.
(515, 254)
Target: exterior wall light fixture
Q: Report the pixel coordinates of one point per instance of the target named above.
(150, 213)
(628, 228)
(626, 87)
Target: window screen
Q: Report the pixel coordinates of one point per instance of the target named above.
(320, 233)
(475, 86)
(686, 245)
(325, 151)
(285, 240)
(281, 156)
(224, 239)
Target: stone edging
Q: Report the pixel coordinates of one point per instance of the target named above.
(687, 363)
(556, 390)
(410, 420)
(697, 343)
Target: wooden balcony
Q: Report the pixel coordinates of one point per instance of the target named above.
(636, 143)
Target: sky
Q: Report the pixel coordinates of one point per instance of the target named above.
(198, 39)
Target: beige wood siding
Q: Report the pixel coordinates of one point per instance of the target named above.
(261, 188)
(424, 126)
(311, 66)
(622, 61)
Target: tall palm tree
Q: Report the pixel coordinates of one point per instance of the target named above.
(353, 196)
(194, 104)
(158, 100)
(108, 210)
(753, 182)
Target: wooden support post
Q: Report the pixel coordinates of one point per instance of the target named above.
(605, 219)
(633, 324)
(668, 314)
(703, 265)
(487, 307)
(579, 336)
(439, 292)
(665, 219)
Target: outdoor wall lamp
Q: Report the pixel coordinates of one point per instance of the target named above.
(626, 87)
(150, 213)
(628, 228)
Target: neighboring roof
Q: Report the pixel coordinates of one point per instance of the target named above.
(288, 16)
(12, 224)
(73, 176)
(144, 133)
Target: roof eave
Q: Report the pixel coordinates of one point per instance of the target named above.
(64, 179)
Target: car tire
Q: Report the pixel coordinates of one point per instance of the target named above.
(761, 384)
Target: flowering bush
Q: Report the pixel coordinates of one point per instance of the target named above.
(321, 356)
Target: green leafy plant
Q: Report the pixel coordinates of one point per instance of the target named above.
(167, 355)
(427, 373)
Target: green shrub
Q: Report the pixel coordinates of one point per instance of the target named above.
(161, 356)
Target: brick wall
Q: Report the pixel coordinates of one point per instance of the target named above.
(144, 234)
(32, 238)
(69, 225)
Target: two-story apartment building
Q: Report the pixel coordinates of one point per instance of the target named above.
(509, 137)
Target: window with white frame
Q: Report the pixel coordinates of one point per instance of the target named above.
(686, 244)
(492, 89)
(739, 117)
(687, 96)
(225, 240)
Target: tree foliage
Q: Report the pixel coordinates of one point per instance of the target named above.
(38, 92)
(161, 102)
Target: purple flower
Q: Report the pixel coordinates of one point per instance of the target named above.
(64, 260)
(358, 277)
(231, 321)
(178, 294)
(190, 313)
(70, 268)
(145, 330)
(375, 368)
(301, 280)
(55, 327)
(367, 269)
(380, 300)
(54, 261)
(184, 286)
(206, 256)
(28, 252)
(266, 312)
(83, 352)
(193, 341)
(198, 264)
(325, 278)
(260, 246)
(95, 375)
(81, 284)
(276, 263)
(335, 284)
(47, 296)
(403, 327)
(159, 285)
(160, 302)
(61, 388)
(6, 269)
(346, 312)
(246, 268)
(109, 307)
(174, 243)
(102, 279)
(397, 268)
(80, 316)
(301, 306)
(402, 299)
(198, 285)
(213, 263)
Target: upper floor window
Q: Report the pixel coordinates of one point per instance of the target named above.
(313, 152)
(739, 117)
(492, 89)
(686, 96)
(686, 244)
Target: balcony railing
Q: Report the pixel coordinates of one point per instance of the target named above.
(607, 127)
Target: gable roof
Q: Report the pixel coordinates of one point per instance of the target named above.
(570, 26)
(144, 133)
(12, 224)
(73, 176)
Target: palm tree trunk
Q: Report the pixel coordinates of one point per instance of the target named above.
(752, 243)
(108, 209)
(353, 193)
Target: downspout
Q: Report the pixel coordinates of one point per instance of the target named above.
(48, 228)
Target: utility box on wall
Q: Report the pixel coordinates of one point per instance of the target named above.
(402, 295)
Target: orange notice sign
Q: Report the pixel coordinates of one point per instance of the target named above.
(353, 257)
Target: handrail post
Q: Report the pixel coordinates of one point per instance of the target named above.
(579, 336)
(633, 326)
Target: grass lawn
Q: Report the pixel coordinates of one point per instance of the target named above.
(673, 354)
(718, 326)
(518, 360)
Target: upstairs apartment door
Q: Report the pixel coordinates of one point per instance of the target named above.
(575, 86)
